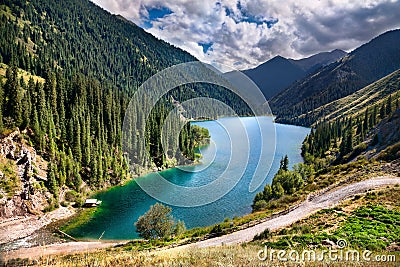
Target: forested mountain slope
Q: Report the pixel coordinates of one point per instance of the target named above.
(78, 36)
(359, 101)
(367, 130)
(366, 64)
(68, 71)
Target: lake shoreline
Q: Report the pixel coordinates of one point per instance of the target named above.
(177, 176)
(124, 183)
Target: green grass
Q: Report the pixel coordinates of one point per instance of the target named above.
(362, 221)
(10, 182)
(83, 216)
(373, 228)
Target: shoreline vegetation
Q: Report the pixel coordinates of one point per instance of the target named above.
(83, 215)
(156, 246)
(319, 176)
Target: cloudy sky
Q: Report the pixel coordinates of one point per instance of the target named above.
(245, 33)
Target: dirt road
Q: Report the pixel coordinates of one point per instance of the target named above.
(306, 208)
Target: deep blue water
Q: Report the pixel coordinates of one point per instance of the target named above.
(123, 205)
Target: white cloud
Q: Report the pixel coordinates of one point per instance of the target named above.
(303, 27)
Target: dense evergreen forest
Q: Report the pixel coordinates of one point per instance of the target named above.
(91, 62)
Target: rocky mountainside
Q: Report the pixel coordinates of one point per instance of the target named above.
(388, 137)
(21, 175)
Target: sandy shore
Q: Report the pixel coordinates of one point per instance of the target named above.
(21, 227)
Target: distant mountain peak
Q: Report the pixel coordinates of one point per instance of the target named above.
(279, 72)
(316, 61)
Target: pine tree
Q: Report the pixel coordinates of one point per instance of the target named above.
(365, 124)
(51, 91)
(51, 180)
(389, 105)
(382, 112)
(13, 96)
(27, 108)
(284, 164)
(349, 141)
(42, 107)
(375, 115)
(77, 141)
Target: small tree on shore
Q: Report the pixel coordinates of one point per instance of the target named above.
(156, 223)
(180, 228)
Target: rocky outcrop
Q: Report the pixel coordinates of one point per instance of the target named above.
(27, 196)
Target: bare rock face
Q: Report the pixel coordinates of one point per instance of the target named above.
(13, 207)
(25, 198)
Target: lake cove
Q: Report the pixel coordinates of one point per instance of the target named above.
(121, 206)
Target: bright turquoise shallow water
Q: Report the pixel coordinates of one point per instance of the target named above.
(123, 205)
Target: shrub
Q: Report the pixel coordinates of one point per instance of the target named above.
(156, 223)
(79, 202)
(217, 229)
(280, 244)
(266, 234)
(180, 228)
(260, 205)
(52, 205)
(71, 196)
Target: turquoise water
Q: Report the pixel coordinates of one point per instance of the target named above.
(122, 205)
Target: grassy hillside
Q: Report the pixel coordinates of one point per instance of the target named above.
(356, 103)
(25, 75)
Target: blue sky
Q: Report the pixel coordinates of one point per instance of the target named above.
(154, 13)
(246, 33)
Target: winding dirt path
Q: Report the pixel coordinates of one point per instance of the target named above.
(303, 210)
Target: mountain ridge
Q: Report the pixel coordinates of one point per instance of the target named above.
(276, 74)
(366, 64)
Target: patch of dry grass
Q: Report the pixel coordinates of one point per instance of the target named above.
(21, 73)
(237, 255)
